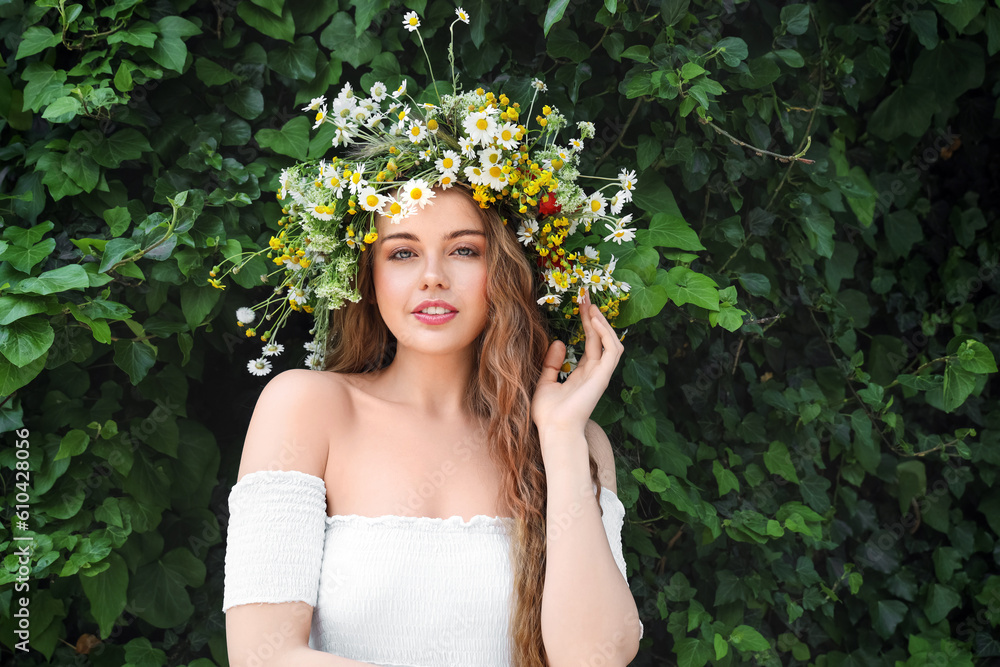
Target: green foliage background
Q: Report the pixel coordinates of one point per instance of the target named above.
(813, 485)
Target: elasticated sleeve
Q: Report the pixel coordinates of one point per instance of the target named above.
(274, 544)
(614, 520)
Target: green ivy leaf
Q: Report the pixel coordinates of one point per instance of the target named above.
(670, 231)
(135, 358)
(779, 461)
(746, 639)
(976, 357)
(733, 50)
(296, 61)
(887, 615)
(724, 478)
(63, 279)
(24, 259)
(291, 140)
(107, 592)
(693, 652)
(282, 28)
(940, 601)
(127, 144)
(73, 443)
(795, 18)
(912, 483)
(685, 286)
(958, 384)
(36, 39)
(553, 14)
(341, 38)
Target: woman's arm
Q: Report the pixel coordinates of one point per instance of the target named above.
(588, 613)
(283, 435)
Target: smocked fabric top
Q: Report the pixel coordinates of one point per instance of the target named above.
(387, 590)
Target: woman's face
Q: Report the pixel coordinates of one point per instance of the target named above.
(435, 258)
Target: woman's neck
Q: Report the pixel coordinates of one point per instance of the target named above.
(435, 386)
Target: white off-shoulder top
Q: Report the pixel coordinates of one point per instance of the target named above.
(388, 590)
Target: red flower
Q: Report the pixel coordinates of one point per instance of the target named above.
(548, 205)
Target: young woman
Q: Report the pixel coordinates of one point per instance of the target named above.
(435, 496)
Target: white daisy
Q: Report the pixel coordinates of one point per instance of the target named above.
(370, 200)
(320, 116)
(576, 144)
(447, 180)
(272, 349)
(417, 132)
(539, 85)
(591, 252)
(316, 103)
(494, 177)
(550, 299)
(480, 127)
(474, 174)
(259, 366)
(468, 147)
(596, 204)
(411, 21)
(298, 296)
(417, 192)
(627, 179)
(449, 161)
(507, 136)
(569, 364)
(462, 15)
(490, 157)
(320, 211)
(402, 87)
(357, 182)
(341, 137)
(528, 230)
(245, 316)
(314, 361)
(378, 91)
(618, 235)
(616, 203)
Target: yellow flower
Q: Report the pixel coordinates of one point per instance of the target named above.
(370, 237)
(546, 110)
(216, 284)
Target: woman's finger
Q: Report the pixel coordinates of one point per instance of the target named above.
(552, 362)
(592, 340)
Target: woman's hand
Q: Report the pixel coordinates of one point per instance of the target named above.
(567, 406)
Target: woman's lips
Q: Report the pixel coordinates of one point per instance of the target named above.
(434, 319)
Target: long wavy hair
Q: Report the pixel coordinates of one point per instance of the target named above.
(509, 354)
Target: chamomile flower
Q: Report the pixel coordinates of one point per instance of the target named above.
(320, 116)
(550, 299)
(320, 211)
(480, 127)
(569, 364)
(395, 210)
(539, 85)
(596, 204)
(356, 181)
(494, 177)
(447, 180)
(417, 132)
(314, 361)
(272, 349)
(298, 296)
(449, 161)
(474, 174)
(468, 147)
(378, 91)
(341, 137)
(259, 366)
(507, 136)
(462, 15)
(627, 180)
(490, 157)
(315, 104)
(411, 21)
(370, 200)
(528, 230)
(619, 232)
(245, 316)
(616, 203)
(576, 144)
(402, 87)
(417, 192)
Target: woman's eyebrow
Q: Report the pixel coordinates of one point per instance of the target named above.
(413, 237)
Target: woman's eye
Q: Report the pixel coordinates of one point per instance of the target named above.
(396, 254)
(471, 252)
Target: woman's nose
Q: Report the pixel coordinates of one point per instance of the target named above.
(435, 274)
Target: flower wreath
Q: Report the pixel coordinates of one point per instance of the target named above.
(398, 151)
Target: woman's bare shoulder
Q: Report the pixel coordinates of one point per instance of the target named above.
(290, 426)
